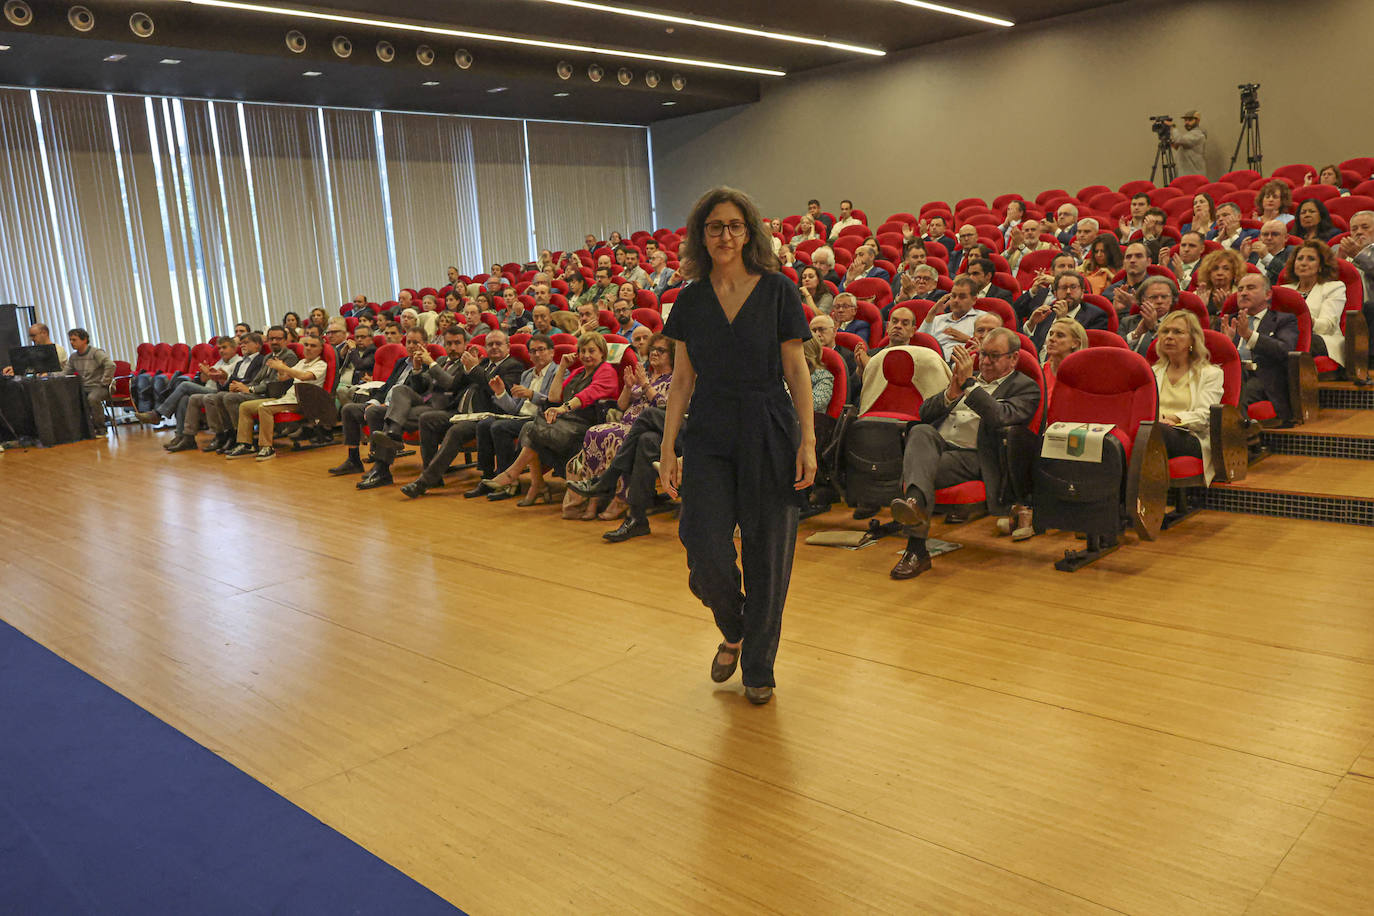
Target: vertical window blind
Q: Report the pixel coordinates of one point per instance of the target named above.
(161, 219)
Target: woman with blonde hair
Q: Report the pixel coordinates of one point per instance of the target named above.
(1065, 336)
(1188, 387)
(1217, 276)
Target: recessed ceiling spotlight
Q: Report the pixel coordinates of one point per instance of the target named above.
(498, 89)
(430, 83)
(169, 60)
(651, 79)
(81, 18)
(679, 82)
(463, 58)
(397, 25)
(564, 70)
(141, 24)
(425, 55)
(342, 46)
(595, 72)
(624, 75)
(312, 73)
(560, 95)
(295, 40)
(18, 13)
(115, 57)
(386, 52)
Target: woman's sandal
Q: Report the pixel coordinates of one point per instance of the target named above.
(534, 497)
(721, 673)
(615, 510)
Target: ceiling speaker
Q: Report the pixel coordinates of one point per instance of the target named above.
(463, 58)
(595, 72)
(651, 79)
(425, 55)
(565, 70)
(81, 19)
(342, 46)
(295, 40)
(18, 13)
(141, 24)
(385, 52)
(679, 82)
(624, 75)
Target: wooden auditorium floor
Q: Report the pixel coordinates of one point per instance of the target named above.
(519, 715)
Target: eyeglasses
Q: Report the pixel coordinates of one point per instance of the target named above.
(986, 355)
(276, 338)
(715, 228)
(661, 351)
(535, 351)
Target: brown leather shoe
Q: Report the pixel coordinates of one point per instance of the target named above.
(909, 566)
(908, 512)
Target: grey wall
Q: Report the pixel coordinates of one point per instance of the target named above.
(1059, 104)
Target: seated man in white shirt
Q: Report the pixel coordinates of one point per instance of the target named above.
(1134, 221)
(1022, 240)
(1190, 251)
(951, 321)
(210, 379)
(311, 370)
(960, 438)
(846, 218)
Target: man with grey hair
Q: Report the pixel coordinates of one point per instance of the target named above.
(1082, 244)
(1022, 240)
(968, 237)
(1358, 249)
(961, 438)
(1270, 251)
(1066, 223)
(1157, 296)
(823, 259)
(1229, 231)
(924, 284)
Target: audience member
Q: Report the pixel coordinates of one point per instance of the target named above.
(589, 321)
(1188, 387)
(95, 369)
(639, 340)
(824, 260)
(1103, 261)
(951, 320)
(1270, 251)
(245, 368)
(813, 290)
(1158, 297)
(1358, 249)
(222, 409)
(1313, 222)
(210, 378)
(515, 318)
(631, 270)
(1042, 286)
(862, 268)
(1184, 265)
(1136, 261)
(968, 238)
(1068, 301)
(498, 435)
(1228, 231)
(1274, 201)
(806, 230)
(1217, 277)
(813, 210)
(844, 221)
(823, 329)
(1066, 223)
(1313, 272)
(660, 275)
(386, 410)
(1066, 336)
(1133, 221)
(1014, 216)
(292, 323)
(980, 270)
(844, 311)
(311, 370)
(1264, 338)
(1204, 215)
(960, 438)
(1330, 176)
(624, 316)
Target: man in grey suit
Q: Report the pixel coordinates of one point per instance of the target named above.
(1158, 297)
(960, 438)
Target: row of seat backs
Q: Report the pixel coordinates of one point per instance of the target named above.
(162, 359)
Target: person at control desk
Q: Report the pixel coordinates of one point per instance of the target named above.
(38, 336)
(96, 370)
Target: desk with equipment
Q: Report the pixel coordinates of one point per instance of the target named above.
(35, 405)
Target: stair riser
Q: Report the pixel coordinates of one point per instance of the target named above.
(1341, 510)
(1318, 446)
(1346, 398)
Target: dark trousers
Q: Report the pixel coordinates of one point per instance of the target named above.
(1254, 390)
(356, 416)
(1179, 443)
(634, 463)
(440, 442)
(929, 463)
(716, 494)
(498, 441)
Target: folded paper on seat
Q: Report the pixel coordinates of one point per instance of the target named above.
(1075, 441)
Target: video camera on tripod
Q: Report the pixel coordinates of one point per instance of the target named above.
(1163, 126)
(1249, 99)
(1249, 137)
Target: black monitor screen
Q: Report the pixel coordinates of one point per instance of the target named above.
(39, 358)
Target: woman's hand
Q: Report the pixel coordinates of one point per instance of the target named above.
(670, 473)
(551, 414)
(1172, 419)
(806, 466)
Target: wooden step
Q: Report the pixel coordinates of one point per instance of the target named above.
(1333, 434)
(1345, 396)
(1298, 486)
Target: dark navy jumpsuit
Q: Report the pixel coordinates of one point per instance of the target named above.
(739, 451)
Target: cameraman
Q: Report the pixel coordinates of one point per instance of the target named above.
(1190, 143)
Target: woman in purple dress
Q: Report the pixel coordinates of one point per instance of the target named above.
(641, 389)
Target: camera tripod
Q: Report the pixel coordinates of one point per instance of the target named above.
(1164, 156)
(1249, 137)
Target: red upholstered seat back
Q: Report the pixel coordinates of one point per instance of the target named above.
(202, 355)
(1100, 338)
(899, 397)
(649, 318)
(835, 364)
(1029, 366)
(162, 357)
(384, 362)
(522, 353)
(919, 339)
(1105, 385)
(178, 359)
(1000, 308)
(145, 360)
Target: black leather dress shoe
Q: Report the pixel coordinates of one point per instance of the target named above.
(909, 566)
(184, 444)
(629, 528)
(417, 488)
(759, 696)
(910, 513)
(480, 490)
(385, 447)
(374, 480)
(350, 466)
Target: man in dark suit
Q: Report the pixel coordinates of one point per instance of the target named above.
(468, 396)
(1042, 286)
(968, 238)
(1122, 294)
(1271, 251)
(378, 412)
(1158, 296)
(1228, 230)
(823, 329)
(980, 271)
(1068, 303)
(1066, 224)
(960, 438)
(1264, 339)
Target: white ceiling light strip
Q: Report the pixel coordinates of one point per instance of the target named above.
(478, 36)
(718, 26)
(951, 11)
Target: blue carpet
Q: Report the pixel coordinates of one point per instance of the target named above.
(106, 809)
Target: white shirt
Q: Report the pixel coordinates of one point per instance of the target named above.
(317, 369)
(843, 224)
(937, 325)
(1246, 347)
(960, 428)
(227, 367)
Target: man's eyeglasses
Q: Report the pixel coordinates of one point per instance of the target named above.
(275, 338)
(990, 356)
(715, 228)
(535, 351)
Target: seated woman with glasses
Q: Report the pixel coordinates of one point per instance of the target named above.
(640, 390)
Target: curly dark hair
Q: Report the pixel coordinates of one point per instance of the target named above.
(1110, 247)
(694, 261)
(1285, 196)
(1327, 268)
(1324, 229)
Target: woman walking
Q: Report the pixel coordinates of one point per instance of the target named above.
(750, 448)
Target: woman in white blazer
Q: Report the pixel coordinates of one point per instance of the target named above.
(1313, 272)
(1188, 387)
